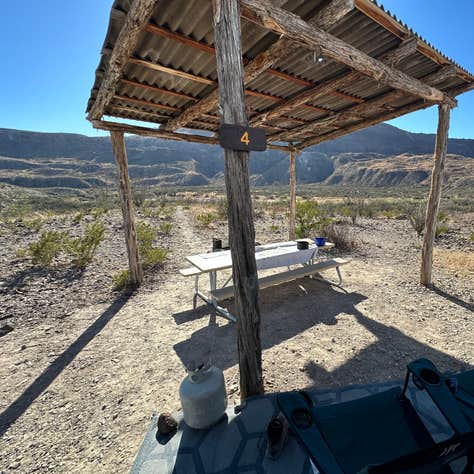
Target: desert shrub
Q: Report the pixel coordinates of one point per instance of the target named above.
(221, 209)
(310, 218)
(416, 216)
(34, 224)
(353, 207)
(471, 236)
(166, 228)
(98, 212)
(205, 219)
(47, 248)
(341, 236)
(274, 228)
(121, 280)
(78, 217)
(442, 226)
(82, 249)
(151, 256)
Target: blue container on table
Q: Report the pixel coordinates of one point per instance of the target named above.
(320, 241)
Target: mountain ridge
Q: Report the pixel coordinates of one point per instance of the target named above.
(376, 156)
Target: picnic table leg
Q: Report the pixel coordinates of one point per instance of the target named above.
(213, 302)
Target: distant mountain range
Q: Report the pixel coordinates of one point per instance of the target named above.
(381, 155)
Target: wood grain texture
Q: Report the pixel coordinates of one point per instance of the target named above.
(392, 58)
(138, 16)
(241, 227)
(265, 14)
(432, 208)
(330, 14)
(361, 111)
(292, 218)
(159, 133)
(125, 192)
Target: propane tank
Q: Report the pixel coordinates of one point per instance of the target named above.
(203, 396)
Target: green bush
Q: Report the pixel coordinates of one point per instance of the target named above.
(82, 249)
(151, 256)
(47, 248)
(471, 237)
(416, 215)
(353, 207)
(166, 228)
(310, 219)
(78, 217)
(205, 219)
(442, 226)
(121, 280)
(221, 209)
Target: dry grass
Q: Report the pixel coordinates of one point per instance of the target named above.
(455, 260)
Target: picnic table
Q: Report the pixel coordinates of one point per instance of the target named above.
(268, 256)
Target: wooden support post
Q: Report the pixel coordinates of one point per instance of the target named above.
(125, 191)
(241, 227)
(432, 208)
(292, 223)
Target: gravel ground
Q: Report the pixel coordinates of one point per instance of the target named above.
(84, 367)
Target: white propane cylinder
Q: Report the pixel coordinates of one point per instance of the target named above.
(203, 397)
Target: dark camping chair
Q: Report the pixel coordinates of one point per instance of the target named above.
(464, 392)
(381, 433)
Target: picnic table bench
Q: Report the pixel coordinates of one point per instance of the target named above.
(283, 254)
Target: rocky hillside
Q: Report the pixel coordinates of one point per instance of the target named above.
(381, 155)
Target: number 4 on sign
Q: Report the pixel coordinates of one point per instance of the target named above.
(245, 138)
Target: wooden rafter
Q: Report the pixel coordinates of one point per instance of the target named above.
(161, 90)
(326, 17)
(393, 57)
(359, 111)
(159, 133)
(206, 48)
(280, 21)
(137, 17)
(171, 71)
(145, 103)
(383, 117)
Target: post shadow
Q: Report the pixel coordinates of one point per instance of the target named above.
(452, 298)
(382, 361)
(11, 414)
(216, 343)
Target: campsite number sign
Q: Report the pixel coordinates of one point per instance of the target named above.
(238, 137)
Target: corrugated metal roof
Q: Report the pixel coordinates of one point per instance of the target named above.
(149, 95)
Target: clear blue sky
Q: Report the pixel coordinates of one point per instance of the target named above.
(50, 49)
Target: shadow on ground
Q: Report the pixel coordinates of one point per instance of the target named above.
(318, 303)
(21, 277)
(41, 383)
(454, 299)
(290, 309)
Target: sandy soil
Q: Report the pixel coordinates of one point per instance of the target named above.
(84, 368)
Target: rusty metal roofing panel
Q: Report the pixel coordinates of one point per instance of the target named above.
(193, 66)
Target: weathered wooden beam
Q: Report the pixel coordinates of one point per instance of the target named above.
(160, 90)
(325, 18)
(432, 207)
(124, 112)
(241, 227)
(418, 105)
(138, 16)
(335, 8)
(280, 21)
(292, 217)
(171, 71)
(159, 133)
(125, 192)
(365, 110)
(392, 58)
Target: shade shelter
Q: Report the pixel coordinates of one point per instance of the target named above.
(305, 71)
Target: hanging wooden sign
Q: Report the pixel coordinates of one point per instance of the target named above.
(238, 137)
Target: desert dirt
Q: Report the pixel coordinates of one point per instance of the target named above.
(84, 367)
